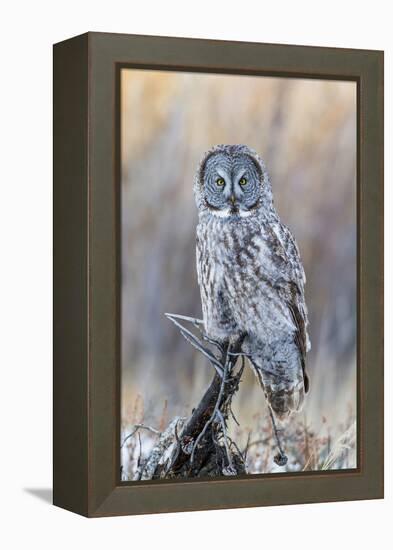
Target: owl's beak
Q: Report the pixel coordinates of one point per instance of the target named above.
(232, 199)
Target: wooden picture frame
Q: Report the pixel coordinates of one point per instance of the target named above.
(86, 273)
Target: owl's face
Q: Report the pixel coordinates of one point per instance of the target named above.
(231, 181)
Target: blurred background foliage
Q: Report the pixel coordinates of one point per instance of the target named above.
(305, 130)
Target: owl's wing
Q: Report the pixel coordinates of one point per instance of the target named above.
(198, 252)
(200, 265)
(291, 287)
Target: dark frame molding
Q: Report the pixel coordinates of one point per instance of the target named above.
(86, 273)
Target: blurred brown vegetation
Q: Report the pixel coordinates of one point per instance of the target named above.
(305, 130)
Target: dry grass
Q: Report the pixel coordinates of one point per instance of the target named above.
(328, 447)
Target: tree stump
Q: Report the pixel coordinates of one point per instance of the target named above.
(203, 447)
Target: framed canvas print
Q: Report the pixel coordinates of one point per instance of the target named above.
(218, 274)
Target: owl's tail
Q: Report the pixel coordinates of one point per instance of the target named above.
(284, 387)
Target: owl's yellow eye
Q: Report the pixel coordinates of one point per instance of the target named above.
(242, 181)
(220, 182)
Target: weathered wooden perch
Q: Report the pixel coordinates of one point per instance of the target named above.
(203, 447)
(200, 445)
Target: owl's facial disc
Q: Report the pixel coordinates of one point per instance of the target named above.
(232, 185)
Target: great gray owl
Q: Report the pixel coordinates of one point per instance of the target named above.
(250, 274)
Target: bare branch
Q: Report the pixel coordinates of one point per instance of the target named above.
(197, 345)
(157, 454)
(224, 379)
(139, 427)
(230, 470)
(280, 459)
(197, 323)
(192, 320)
(194, 341)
